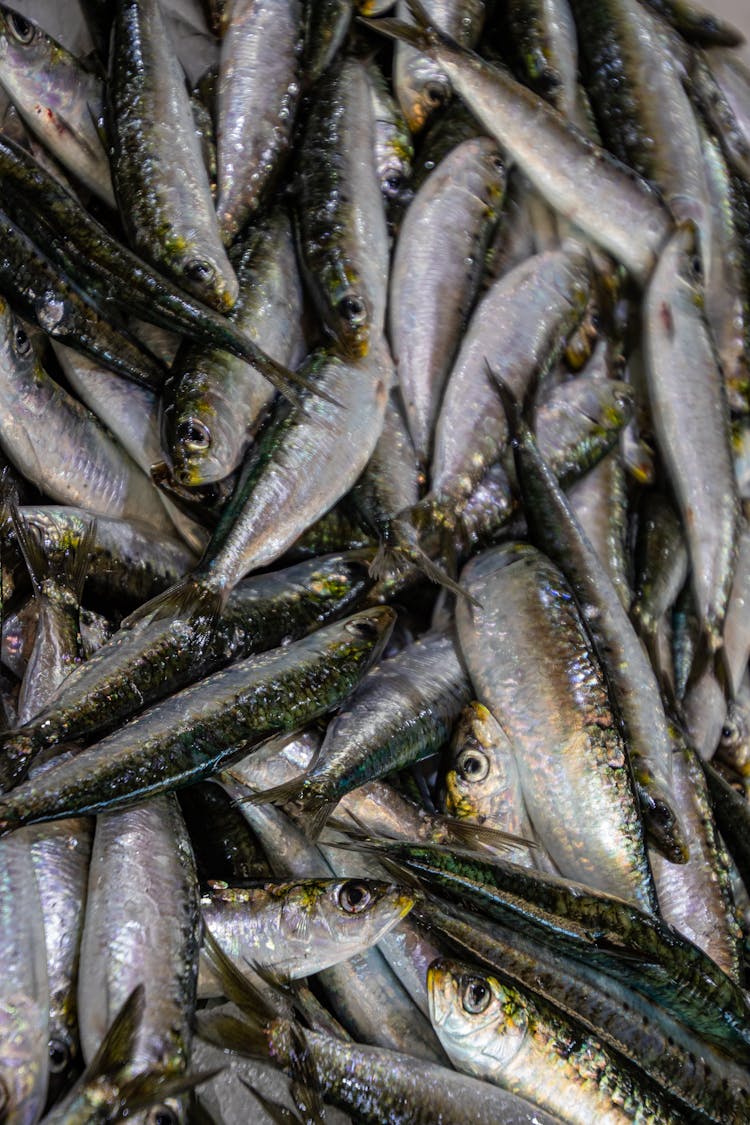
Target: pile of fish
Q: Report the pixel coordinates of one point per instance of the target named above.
(375, 564)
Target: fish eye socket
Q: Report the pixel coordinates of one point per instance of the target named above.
(352, 308)
(476, 996)
(394, 181)
(59, 1056)
(354, 897)
(472, 765)
(161, 1115)
(435, 93)
(21, 342)
(199, 270)
(193, 435)
(696, 265)
(20, 28)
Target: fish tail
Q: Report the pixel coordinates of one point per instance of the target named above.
(314, 819)
(116, 1049)
(189, 599)
(145, 1089)
(74, 568)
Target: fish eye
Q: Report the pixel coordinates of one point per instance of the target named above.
(362, 628)
(353, 309)
(472, 765)
(354, 897)
(435, 93)
(730, 734)
(476, 996)
(199, 270)
(59, 1056)
(21, 29)
(696, 265)
(393, 183)
(193, 435)
(21, 342)
(161, 1115)
(498, 163)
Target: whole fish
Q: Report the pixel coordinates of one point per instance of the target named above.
(340, 214)
(257, 96)
(435, 275)
(568, 749)
(158, 173)
(180, 741)
(580, 180)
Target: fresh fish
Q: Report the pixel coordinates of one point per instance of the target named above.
(257, 97)
(695, 897)
(335, 431)
(696, 24)
(636, 698)
(24, 993)
(498, 1032)
(213, 402)
(557, 715)
(295, 929)
(691, 423)
(481, 779)
(59, 100)
(181, 741)
(403, 711)
(422, 85)
(435, 276)
(326, 27)
(160, 181)
(394, 150)
(141, 867)
(340, 213)
(576, 177)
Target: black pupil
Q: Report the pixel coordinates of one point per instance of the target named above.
(477, 994)
(164, 1117)
(350, 307)
(20, 26)
(472, 765)
(199, 271)
(355, 895)
(22, 340)
(435, 94)
(57, 1056)
(193, 434)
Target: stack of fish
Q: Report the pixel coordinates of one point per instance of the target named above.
(375, 566)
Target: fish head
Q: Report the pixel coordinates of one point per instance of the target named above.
(23, 1057)
(22, 42)
(421, 87)
(734, 743)
(339, 918)
(351, 316)
(474, 1016)
(480, 782)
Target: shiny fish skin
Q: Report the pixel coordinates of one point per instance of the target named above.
(140, 666)
(179, 741)
(35, 69)
(340, 214)
(256, 101)
(581, 181)
(497, 1032)
(213, 402)
(421, 84)
(141, 866)
(157, 167)
(555, 706)
(690, 420)
(295, 929)
(436, 273)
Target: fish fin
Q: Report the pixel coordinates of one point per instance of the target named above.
(279, 1114)
(305, 1087)
(314, 819)
(189, 599)
(235, 985)
(145, 1089)
(466, 833)
(279, 794)
(116, 1049)
(399, 30)
(71, 573)
(387, 561)
(437, 574)
(245, 1036)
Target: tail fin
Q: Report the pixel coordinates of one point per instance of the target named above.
(423, 37)
(406, 543)
(116, 1049)
(41, 566)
